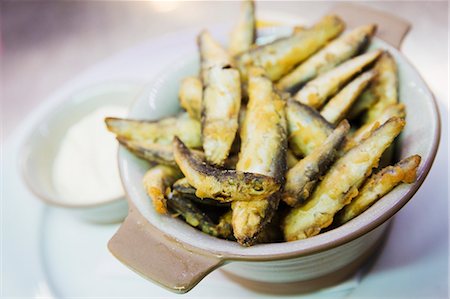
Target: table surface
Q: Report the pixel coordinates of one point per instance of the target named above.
(46, 43)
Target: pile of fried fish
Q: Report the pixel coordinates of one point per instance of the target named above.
(264, 150)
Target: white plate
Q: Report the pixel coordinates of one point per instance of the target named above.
(48, 253)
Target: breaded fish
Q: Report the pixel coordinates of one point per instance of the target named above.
(184, 189)
(212, 54)
(192, 214)
(151, 152)
(340, 185)
(280, 56)
(386, 87)
(303, 177)
(220, 111)
(156, 181)
(336, 52)
(190, 95)
(316, 92)
(337, 107)
(159, 132)
(307, 129)
(224, 227)
(251, 217)
(364, 102)
(383, 89)
(263, 151)
(378, 185)
(243, 35)
(291, 159)
(221, 184)
(263, 132)
(395, 110)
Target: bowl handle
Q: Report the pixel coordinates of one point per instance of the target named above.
(391, 29)
(158, 257)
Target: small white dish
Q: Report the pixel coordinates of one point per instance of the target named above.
(39, 150)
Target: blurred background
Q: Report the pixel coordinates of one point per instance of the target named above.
(46, 44)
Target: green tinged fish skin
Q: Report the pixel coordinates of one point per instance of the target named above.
(336, 52)
(158, 132)
(250, 218)
(192, 214)
(224, 227)
(183, 188)
(153, 153)
(221, 184)
(303, 177)
(340, 184)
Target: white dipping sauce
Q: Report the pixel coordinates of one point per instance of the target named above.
(85, 169)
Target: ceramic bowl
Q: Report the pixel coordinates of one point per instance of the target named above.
(42, 143)
(171, 253)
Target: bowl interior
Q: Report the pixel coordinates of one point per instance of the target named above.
(42, 143)
(420, 136)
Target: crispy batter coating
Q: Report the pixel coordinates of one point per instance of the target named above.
(395, 110)
(156, 180)
(336, 52)
(220, 111)
(340, 184)
(385, 88)
(190, 95)
(221, 184)
(280, 56)
(336, 109)
(212, 54)
(303, 177)
(316, 92)
(307, 129)
(378, 185)
(243, 35)
(153, 152)
(185, 190)
(159, 132)
(263, 151)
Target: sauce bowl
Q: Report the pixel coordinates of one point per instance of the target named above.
(39, 150)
